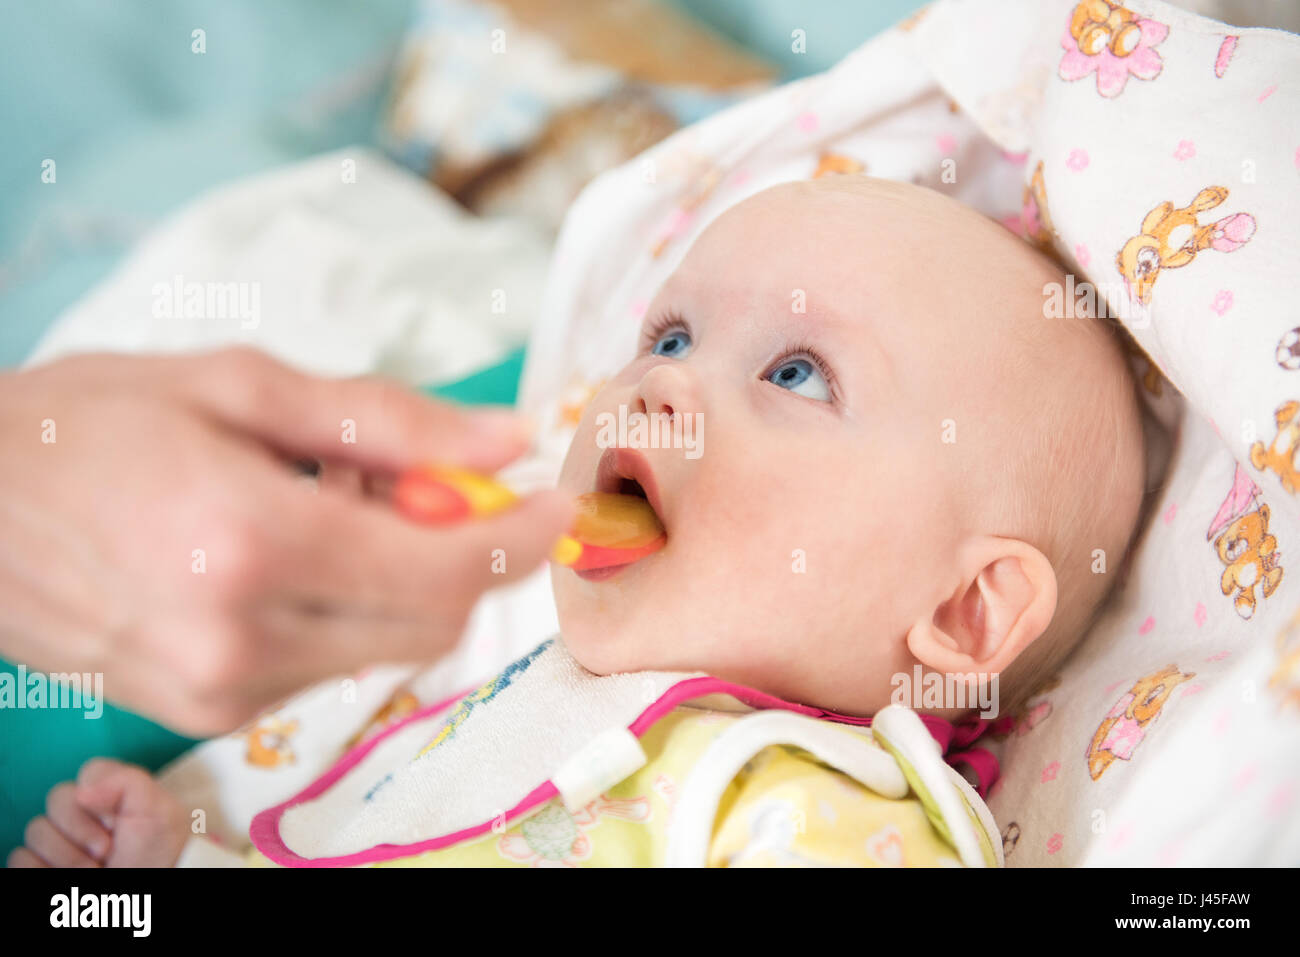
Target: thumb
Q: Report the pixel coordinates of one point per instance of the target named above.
(105, 786)
(102, 786)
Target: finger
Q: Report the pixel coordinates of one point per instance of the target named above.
(370, 422)
(511, 544)
(400, 591)
(76, 823)
(362, 557)
(341, 479)
(22, 857)
(177, 687)
(45, 841)
(102, 786)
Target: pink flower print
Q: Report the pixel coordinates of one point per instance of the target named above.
(1297, 157)
(1049, 772)
(1221, 722)
(946, 142)
(1186, 150)
(1054, 843)
(1170, 512)
(1222, 301)
(1113, 42)
(1266, 94)
(1082, 255)
(1198, 616)
(807, 122)
(1226, 49)
(1147, 625)
(1033, 717)
(1122, 837)
(1281, 798)
(1077, 160)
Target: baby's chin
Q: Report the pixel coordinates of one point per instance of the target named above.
(600, 650)
(607, 636)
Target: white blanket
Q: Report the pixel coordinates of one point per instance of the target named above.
(342, 264)
(1167, 176)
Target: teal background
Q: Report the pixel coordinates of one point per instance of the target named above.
(138, 125)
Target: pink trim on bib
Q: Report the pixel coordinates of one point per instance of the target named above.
(265, 829)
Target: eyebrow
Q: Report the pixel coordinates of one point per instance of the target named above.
(884, 360)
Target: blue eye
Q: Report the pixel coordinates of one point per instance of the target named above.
(674, 344)
(801, 377)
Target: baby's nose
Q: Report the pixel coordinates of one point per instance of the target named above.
(669, 389)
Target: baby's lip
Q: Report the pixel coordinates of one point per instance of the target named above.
(621, 463)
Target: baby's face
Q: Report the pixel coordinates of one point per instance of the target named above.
(823, 338)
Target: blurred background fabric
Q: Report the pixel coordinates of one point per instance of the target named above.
(137, 123)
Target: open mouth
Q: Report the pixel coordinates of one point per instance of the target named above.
(627, 472)
(624, 472)
(629, 486)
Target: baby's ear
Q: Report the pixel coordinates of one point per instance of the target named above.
(1004, 600)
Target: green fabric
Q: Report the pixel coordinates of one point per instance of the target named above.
(495, 385)
(41, 747)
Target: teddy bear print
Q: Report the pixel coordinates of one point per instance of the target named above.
(1280, 454)
(1249, 555)
(831, 163)
(1244, 546)
(1113, 42)
(401, 705)
(1125, 725)
(268, 742)
(1171, 238)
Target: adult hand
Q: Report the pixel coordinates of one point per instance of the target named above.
(151, 529)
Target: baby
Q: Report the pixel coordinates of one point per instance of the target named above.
(907, 467)
(948, 461)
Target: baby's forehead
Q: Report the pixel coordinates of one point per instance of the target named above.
(911, 271)
(822, 248)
